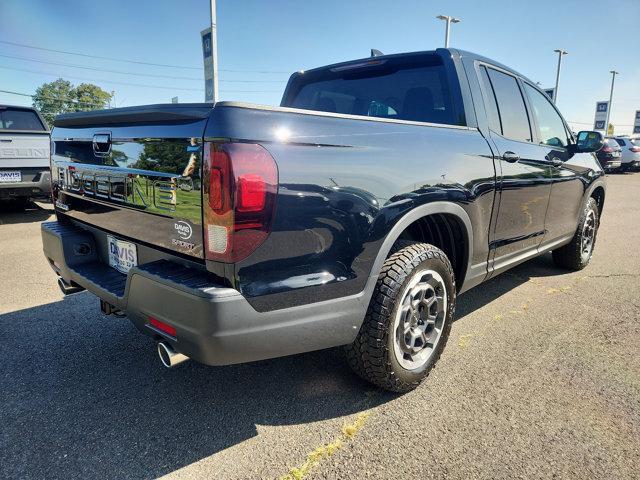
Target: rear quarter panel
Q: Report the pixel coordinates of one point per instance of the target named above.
(343, 184)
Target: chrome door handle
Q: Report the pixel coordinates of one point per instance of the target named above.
(510, 157)
(556, 162)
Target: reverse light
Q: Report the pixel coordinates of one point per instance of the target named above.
(163, 327)
(240, 184)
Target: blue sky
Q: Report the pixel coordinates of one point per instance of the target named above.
(260, 42)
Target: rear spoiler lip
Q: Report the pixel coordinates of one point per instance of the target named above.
(169, 112)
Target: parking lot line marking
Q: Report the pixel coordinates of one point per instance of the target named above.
(347, 433)
(464, 339)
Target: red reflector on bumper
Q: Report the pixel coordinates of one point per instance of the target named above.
(163, 327)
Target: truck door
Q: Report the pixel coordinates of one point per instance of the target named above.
(567, 171)
(523, 172)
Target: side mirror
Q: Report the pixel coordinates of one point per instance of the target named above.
(588, 142)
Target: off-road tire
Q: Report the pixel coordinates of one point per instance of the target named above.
(570, 256)
(372, 355)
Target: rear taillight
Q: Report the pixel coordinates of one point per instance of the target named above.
(635, 149)
(240, 186)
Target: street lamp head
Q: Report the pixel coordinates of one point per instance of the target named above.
(449, 21)
(614, 72)
(561, 52)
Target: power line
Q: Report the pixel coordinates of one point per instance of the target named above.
(63, 99)
(96, 56)
(591, 123)
(58, 99)
(121, 72)
(138, 62)
(84, 67)
(103, 80)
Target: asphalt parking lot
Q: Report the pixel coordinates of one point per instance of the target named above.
(540, 379)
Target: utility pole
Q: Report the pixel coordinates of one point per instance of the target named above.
(560, 54)
(449, 21)
(214, 50)
(613, 81)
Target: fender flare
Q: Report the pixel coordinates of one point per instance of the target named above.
(406, 220)
(600, 182)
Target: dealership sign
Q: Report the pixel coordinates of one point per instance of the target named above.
(599, 124)
(207, 57)
(636, 123)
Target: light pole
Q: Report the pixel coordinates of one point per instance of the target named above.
(560, 54)
(613, 81)
(449, 21)
(214, 51)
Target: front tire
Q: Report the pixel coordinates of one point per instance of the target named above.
(577, 254)
(408, 320)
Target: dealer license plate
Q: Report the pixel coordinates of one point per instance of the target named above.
(122, 255)
(10, 177)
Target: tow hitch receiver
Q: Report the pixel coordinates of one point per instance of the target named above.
(108, 309)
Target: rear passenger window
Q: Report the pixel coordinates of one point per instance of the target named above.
(514, 121)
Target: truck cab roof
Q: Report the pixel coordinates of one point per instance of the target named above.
(452, 52)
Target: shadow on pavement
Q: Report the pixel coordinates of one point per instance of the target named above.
(15, 212)
(84, 395)
(542, 266)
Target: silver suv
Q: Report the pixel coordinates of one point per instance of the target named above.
(630, 152)
(24, 154)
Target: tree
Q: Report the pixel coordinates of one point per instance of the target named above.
(60, 96)
(90, 97)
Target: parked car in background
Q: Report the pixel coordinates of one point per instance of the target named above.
(24, 154)
(610, 155)
(353, 214)
(630, 152)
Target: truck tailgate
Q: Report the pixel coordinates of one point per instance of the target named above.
(134, 172)
(24, 150)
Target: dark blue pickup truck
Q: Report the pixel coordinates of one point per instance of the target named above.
(353, 214)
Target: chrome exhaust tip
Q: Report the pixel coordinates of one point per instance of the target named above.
(169, 357)
(68, 288)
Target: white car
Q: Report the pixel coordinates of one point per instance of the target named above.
(24, 154)
(630, 152)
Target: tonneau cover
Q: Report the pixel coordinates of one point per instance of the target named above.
(164, 112)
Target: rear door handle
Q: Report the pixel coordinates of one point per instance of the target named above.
(510, 157)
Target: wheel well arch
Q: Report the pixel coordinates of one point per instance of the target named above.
(445, 231)
(436, 223)
(598, 195)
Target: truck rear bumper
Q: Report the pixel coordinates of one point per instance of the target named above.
(35, 185)
(214, 325)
